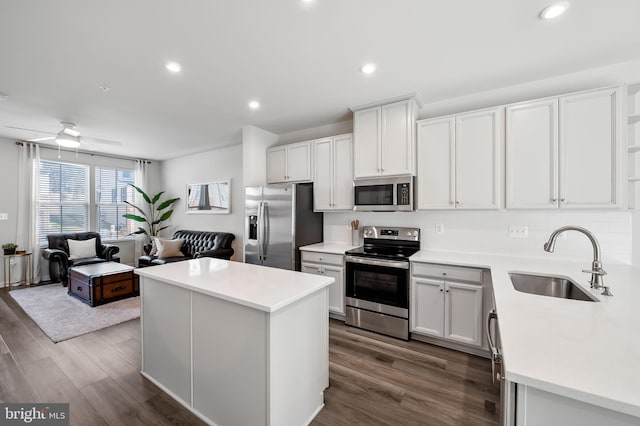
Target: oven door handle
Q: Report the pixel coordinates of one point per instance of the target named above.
(378, 262)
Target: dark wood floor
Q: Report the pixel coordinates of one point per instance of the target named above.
(373, 379)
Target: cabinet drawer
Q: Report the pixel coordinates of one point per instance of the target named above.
(330, 259)
(456, 273)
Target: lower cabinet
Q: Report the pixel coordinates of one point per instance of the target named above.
(443, 306)
(333, 266)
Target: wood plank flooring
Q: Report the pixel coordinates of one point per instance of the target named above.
(374, 380)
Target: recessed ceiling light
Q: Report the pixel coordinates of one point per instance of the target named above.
(554, 10)
(173, 67)
(254, 104)
(368, 68)
(105, 88)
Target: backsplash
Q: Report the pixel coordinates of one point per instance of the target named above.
(488, 231)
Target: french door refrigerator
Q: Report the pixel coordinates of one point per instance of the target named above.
(278, 221)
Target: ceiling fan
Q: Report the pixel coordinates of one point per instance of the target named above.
(68, 137)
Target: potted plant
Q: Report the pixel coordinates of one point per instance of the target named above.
(9, 248)
(151, 215)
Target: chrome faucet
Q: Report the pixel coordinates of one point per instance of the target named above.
(596, 271)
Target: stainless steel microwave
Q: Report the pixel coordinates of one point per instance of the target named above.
(384, 194)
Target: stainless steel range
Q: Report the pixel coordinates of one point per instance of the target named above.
(377, 280)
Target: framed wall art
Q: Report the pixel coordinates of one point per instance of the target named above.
(209, 197)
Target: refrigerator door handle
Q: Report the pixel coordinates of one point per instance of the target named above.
(267, 230)
(260, 229)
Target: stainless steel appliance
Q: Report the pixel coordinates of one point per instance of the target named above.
(278, 220)
(377, 280)
(384, 194)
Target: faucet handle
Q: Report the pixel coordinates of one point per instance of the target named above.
(595, 271)
(606, 291)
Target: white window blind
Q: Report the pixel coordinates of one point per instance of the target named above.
(64, 198)
(112, 190)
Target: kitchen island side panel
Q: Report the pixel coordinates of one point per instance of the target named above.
(299, 359)
(229, 361)
(166, 321)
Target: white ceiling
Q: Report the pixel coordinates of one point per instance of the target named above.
(300, 60)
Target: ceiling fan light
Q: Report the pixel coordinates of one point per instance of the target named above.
(67, 141)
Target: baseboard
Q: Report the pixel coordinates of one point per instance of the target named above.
(449, 345)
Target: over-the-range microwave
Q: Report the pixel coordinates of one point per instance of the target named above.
(384, 194)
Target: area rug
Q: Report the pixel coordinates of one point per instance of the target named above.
(62, 317)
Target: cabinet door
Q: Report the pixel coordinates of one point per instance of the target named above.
(336, 290)
(277, 164)
(427, 310)
(366, 143)
(323, 175)
(299, 162)
(436, 164)
(478, 136)
(589, 143)
(396, 144)
(463, 313)
(343, 172)
(532, 155)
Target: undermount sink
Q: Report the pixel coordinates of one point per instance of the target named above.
(549, 285)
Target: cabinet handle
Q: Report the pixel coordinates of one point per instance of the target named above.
(440, 289)
(447, 291)
(444, 273)
(554, 200)
(562, 200)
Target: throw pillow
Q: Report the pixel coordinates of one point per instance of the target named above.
(80, 249)
(154, 245)
(169, 248)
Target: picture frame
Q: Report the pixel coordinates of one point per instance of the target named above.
(209, 197)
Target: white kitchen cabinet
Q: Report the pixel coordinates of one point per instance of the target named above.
(333, 173)
(333, 266)
(589, 150)
(384, 140)
(564, 152)
(289, 163)
(459, 161)
(532, 155)
(446, 302)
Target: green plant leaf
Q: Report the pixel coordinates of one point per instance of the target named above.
(156, 197)
(134, 217)
(167, 203)
(144, 194)
(155, 222)
(166, 215)
(136, 207)
(161, 229)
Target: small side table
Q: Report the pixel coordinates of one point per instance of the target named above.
(27, 265)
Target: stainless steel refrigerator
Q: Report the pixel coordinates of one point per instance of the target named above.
(278, 221)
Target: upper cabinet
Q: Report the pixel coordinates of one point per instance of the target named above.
(383, 139)
(564, 152)
(459, 161)
(333, 173)
(289, 163)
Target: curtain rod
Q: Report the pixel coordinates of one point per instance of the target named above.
(119, 157)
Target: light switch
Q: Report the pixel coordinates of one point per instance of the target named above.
(4, 216)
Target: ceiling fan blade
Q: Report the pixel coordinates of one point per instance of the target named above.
(48, 138)
(102, 141)
(30, 130)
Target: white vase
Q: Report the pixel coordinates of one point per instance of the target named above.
(355, 237)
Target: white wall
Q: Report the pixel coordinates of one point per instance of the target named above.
(255, 142)
(8, 192)
(218, 164)
(332, 129)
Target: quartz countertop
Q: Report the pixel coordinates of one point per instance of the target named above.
(258, 287)
(332, 248)
(589, 351)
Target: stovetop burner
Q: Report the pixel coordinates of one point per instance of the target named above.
(388, 243)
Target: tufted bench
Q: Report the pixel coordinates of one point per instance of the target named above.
(196, 244)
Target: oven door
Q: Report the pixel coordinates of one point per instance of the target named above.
(378, 285)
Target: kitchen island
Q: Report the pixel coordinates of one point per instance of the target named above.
(236, 344)
(573, 362)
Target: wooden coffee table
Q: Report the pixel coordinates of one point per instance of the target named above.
(102, 283)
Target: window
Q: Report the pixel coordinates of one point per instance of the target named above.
(64, 198)
(112, 190)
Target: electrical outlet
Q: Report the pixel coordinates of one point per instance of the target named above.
(4, 216)
(439, 228)
(518, 232)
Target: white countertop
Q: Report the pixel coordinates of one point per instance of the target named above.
(333, 248)
(258, 287)
(589, 351)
